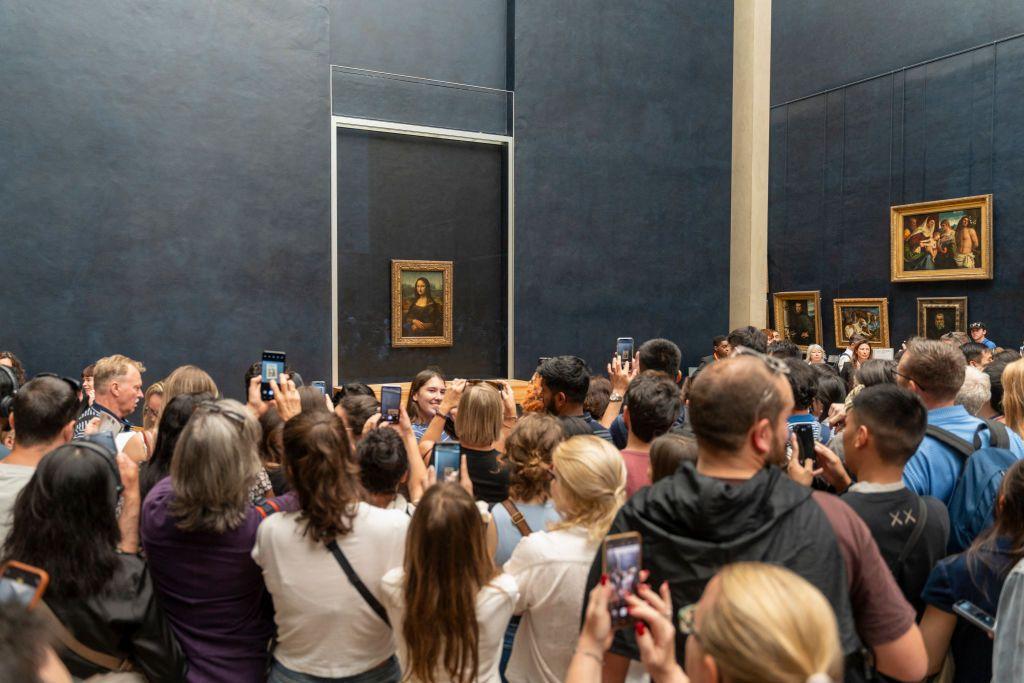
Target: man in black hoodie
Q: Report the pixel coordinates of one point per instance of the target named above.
(737, 504)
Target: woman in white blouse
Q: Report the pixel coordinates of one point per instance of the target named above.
(551, 567)
(448, 604)
(326, 629)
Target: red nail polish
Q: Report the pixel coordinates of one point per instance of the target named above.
(604, 579)
(639, 628)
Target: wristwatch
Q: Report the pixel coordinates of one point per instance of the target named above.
(615, 397)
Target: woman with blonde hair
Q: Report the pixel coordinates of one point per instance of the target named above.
(550, 567)
(816, 354)
(188, 379)
(755, 623)
(447, 604)
(152, 407)
(198, 529)
(481, 413)
(1013, 395)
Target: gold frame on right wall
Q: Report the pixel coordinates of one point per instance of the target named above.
(920, 243)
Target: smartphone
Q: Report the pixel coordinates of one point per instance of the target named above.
(977, 616)
(321, 385)
(447, 460)
(805, 438)
(390, 402)
(624, 350)
(271, 368)
(621, 564)
(22, 583)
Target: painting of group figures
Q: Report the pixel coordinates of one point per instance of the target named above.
(943, 240)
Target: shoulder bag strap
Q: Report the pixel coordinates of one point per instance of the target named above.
(517, 517)
(357, 583)
(109, 662)
(915, 535)
(961, 446)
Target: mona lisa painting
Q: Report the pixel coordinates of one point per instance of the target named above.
(421, 303)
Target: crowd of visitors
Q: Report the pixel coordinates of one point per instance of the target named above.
(771, 517)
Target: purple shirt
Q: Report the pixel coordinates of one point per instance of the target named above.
(211, 591)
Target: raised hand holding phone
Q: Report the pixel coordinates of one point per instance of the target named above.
(621, 559)
(390, 403)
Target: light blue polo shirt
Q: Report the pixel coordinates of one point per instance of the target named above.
(934, 469)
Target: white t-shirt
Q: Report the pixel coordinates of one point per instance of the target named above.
(12, 480)
(494, 605)
(550, 568)
(324, 626)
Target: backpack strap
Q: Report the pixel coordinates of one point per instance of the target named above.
(961, 447)
(999, 436)
(357, 583)
(915, 535)
(100, 659)
(517, 517)
(267, 507)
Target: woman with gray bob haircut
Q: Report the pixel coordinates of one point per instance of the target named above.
(198, 528)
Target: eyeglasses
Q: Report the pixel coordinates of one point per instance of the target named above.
(776, 365)
(910, 379)
(688, 621)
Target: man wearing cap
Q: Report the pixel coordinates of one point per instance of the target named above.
(978, 333)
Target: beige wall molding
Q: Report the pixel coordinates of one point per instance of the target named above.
(751, 77)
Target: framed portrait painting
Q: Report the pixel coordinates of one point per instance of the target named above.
(943, 240)
(797, 317)
(939, 316)
(866, 317)
(421, 303)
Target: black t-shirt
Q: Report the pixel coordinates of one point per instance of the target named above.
(891, 516)
(489, 477)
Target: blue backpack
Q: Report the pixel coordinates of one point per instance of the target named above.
(974, 495)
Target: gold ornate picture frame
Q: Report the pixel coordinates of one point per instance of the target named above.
(950, 239)
(421, 303)
(798, 317)
(869, 317)
(937, 316)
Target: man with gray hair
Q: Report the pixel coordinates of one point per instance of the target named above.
(975, 391)
(935, 371)
(117, 381)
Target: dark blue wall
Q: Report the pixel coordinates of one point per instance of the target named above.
(462, 41)
(165, 170)
(822, 44)
(946, 129)
(623, 145)
(165, 183)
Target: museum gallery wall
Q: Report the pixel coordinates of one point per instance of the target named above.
(845, 163)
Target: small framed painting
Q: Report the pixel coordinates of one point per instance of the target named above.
(939, 316)
(868, 318)
(421, 303)
(949, 239)
(797, 317)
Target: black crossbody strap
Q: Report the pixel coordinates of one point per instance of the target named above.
(915, 535)
(357, 583)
